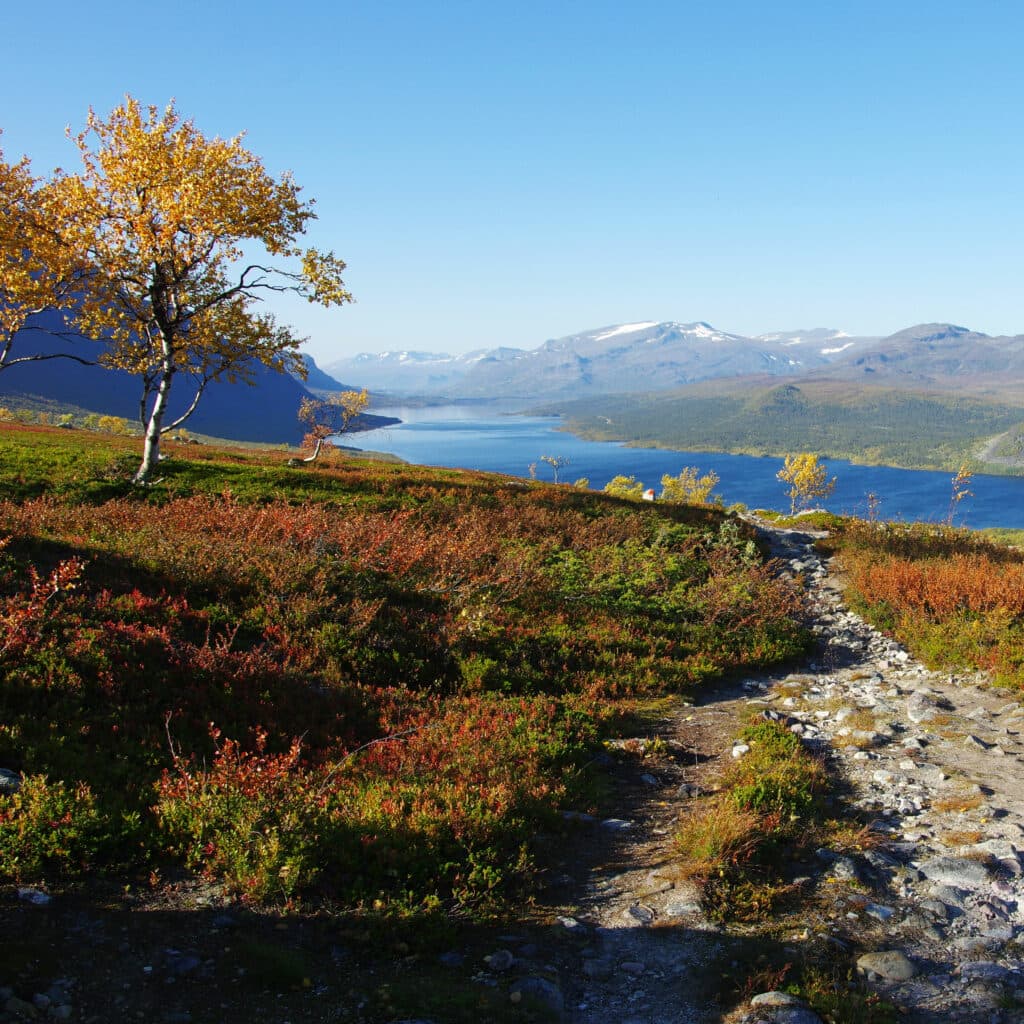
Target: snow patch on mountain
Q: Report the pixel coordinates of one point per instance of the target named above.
(626, 329)
(703, 330)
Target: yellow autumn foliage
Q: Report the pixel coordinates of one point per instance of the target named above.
(177, 237)
(807, 478)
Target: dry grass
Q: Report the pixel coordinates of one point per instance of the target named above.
(713, 833)
(966, 837)
(958, 802)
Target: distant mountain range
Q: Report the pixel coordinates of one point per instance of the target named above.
(649, 356)
(634, 358)
(266, 411)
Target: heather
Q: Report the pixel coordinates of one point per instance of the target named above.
(955, 598)
(361, 682)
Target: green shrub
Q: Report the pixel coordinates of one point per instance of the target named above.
(738, 841)
(48, 830)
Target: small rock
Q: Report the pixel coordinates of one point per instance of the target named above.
(683, 906)
(1001, 849)
(500, 960)
(10, 782)
(879, 912)
(775, 999)
(644, 914)
(921, 707)
(890, 964)
(844, 869)
(937, 909)
(740, 749)
(633, 967)
(616, 824)
(958, 871)
(34, 896)
(544, 991)
(983, 970)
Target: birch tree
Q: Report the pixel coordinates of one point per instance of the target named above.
(180, 237)
(327, 417)
(807, 478)
(36, 271)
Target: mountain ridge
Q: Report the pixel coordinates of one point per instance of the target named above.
(646, 356)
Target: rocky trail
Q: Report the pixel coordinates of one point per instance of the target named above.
(931, 915)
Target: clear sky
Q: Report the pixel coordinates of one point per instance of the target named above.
(502, 173)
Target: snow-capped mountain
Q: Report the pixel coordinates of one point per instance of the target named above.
(825, 340)
(938, 355)
(639, 356)
(647, 355)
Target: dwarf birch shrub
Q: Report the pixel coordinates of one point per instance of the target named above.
(956, 599)
(49, 830)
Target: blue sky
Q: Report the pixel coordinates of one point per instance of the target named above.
(499, 174)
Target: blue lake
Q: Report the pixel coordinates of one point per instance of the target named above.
(485, 437)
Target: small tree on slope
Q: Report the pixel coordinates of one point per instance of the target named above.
(327, 417)
(807, 478)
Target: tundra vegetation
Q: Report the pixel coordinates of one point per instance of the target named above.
(372, 687)
(369, 684)
(956, 599)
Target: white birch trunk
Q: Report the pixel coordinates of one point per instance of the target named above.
(151, 446)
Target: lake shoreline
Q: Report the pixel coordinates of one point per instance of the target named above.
(483, 437)
(978, 465)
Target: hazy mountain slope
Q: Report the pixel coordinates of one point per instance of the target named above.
(648, 356)
(938, 355)
(264, 412)
(642, 356)
(318, 380)
(404, 372)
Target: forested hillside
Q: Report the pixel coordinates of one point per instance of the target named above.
(839, 420)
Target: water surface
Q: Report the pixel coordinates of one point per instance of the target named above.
(488, 437)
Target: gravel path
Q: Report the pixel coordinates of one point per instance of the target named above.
(933, 918)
